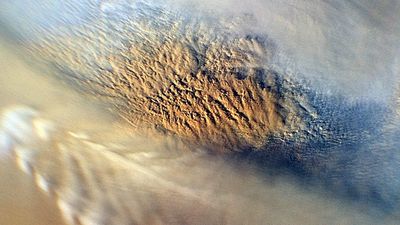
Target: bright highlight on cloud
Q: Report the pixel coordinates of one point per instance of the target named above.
(189, 112)
(109, 183)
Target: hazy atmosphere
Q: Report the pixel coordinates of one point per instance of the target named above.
(199, 112)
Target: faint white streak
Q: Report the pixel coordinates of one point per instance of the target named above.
(43, 128)
(17, 121)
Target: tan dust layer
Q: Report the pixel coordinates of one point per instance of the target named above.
(21, 203)
(216, 92)
(151, 182)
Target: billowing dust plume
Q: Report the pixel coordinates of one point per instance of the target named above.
(206, 85)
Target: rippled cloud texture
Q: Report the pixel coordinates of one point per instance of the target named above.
(201, 112)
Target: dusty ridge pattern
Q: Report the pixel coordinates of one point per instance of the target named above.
(111, 183)
(207, 85)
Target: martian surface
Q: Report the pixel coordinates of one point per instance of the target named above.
(122, 112)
